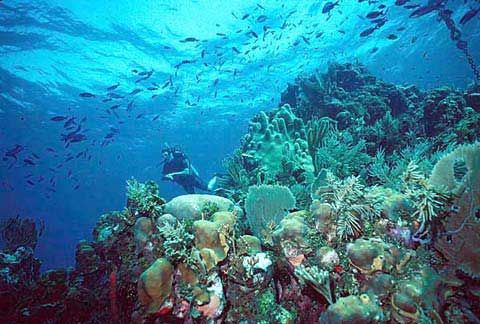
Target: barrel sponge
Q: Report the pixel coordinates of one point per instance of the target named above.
(210, 237)
(462, 247)
(155, 285)
(443, 174)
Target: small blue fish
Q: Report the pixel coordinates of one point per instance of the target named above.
(87, 95)
(329, 6)
(113, 87)
(58, 118)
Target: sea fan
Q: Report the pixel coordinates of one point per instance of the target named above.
(267, 203)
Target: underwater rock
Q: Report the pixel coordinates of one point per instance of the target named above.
(353, 309)
(190, 277)
(259, 261)
(18, 232)
(207, 269)
(192, 206)
(394, 205)
(316, 278)
(111, 224)
(323, 216)
(473, 100)
(442, 108)
(166, 219)
(214, 308)
(419, 298)
(19, 267)
(383, 114)
(144, 198)
(379, 284)
(327, 257)
(19, 271)
(155, 286)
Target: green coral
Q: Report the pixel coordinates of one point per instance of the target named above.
(268, 311)
(428, 201)
(318, 131)
(208, 209)
(144, 198)
(272, 137)
(177, 243)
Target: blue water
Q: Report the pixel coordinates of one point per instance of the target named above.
(51, 51)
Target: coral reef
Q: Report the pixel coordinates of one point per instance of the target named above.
(354, 201)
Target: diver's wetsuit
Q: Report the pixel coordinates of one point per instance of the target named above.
(188, 181)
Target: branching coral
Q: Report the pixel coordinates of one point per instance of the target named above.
(144, 197)
(379, 169)
(236, 171)
(387, 169)
(267, 310)
(349, 224)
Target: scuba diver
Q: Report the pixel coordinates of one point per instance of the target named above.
(177, 168)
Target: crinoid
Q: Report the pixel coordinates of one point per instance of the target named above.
(349, 205)
(427, 200)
